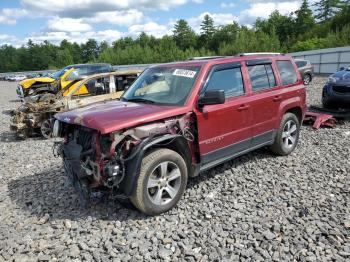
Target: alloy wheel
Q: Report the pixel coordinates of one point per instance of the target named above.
(307, 80)
(46, 128)
(289, 135)
(164, 183)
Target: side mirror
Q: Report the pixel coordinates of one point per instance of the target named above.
(342, 68)
(212, 97)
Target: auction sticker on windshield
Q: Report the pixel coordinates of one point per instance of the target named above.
(184, 73)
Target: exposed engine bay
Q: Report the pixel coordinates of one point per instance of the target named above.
(33, 116)
(96, 162)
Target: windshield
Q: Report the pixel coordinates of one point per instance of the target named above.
(59, 73)
(163, 85)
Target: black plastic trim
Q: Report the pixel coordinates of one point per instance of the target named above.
(133, 162)
(232, 151)
(258, 62)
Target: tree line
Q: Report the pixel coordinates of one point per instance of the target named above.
(327, 26)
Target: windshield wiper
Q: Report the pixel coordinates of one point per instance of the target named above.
(139, 100)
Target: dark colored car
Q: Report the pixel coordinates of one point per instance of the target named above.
(306, 70)
(177, 120)
(336, 92)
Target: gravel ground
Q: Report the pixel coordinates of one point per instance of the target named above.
(257, 207)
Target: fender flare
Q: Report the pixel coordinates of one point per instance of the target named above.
(133, 162)
(287, 105)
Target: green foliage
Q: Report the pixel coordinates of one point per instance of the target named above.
(184, 35)
(304, 21)
(207, 31)
(325, 9)
(333, 39)
(278, 33)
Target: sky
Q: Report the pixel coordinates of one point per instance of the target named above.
(109, 20)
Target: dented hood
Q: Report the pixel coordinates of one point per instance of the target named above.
(31, 81)
(115, 115)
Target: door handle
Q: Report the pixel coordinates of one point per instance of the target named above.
(243, 107)
(277, 98)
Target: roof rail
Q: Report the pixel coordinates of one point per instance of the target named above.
(205, 57)
(260, 53)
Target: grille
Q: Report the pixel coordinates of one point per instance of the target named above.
(341, 89)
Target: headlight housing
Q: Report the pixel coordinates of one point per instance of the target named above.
(57, 129)
(332, 79)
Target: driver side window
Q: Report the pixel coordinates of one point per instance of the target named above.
(230, 80)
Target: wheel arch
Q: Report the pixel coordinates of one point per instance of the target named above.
(296, 111)
(176, 143)
(293, 105)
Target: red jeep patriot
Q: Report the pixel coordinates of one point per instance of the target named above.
(177, 120)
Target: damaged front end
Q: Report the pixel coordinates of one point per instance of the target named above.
(34, 118)
(110, 163)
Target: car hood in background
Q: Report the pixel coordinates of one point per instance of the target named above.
(115, 115)
(342, 77)
(31, 81)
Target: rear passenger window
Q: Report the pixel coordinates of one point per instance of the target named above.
(287, 72)
(261, 77)
(301, 63)
(229, 80)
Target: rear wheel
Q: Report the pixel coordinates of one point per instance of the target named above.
(287, 136)
(161, 183)
(307, 79)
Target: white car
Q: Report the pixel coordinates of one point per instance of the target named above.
(20, 77)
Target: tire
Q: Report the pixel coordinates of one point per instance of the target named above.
(287, 135)
(151, 194)
(307, 78)
(46, 128)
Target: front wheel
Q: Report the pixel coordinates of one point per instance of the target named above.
(46, 128)
(161, 183)
(287, 135)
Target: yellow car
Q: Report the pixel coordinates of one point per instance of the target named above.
(60, 80)
(35, 115)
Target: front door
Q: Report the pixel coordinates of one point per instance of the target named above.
(224, 130)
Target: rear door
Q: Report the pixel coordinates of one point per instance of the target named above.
(267, 96)
(224, 130)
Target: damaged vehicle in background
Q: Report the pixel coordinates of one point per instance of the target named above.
(56, 81)
(336, 92)
(177, 120)
(35, 116)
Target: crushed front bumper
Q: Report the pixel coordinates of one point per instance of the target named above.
(71, 155)
(24, 124)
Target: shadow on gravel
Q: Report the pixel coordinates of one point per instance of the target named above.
(14, 100)
(7, 112)
(50, 193)
(262, 153)
(8, 136)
